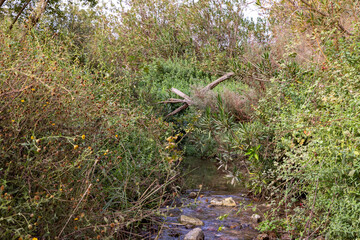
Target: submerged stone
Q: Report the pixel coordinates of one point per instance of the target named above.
(192, 195)
(185, 220)
(195, 234)
(256, 218)
(227, 202)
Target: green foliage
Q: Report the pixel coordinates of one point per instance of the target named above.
(160, 76)
(314, 120)
(252, 153)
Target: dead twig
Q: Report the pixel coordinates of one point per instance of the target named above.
(76, 208)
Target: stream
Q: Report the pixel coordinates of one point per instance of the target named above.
(207, 188)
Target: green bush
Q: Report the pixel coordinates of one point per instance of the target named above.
(314, 120)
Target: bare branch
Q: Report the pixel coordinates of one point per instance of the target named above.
(174, 100)
(314, 9)
(342, 28)
(217, 81)
(181, 94)
(2, 2)
(35, 16)
(38, 12)
(18, 15)
(187, 100)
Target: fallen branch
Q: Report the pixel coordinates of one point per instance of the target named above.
(187, 100)
(218, 81)
(179, 109)
(76, 208)
(174, 100)
(181, 94)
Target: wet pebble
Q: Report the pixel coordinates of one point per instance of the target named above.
(235, 226)
(255, 218)
(192, 195)
(266, 205)
(186, 220)
(228, 238)
(195, 234)
(189, 226)
(286, 236)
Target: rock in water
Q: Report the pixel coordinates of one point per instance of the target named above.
(195, 234)
(256, 218)
(192, 195)
(216, 202)
(227, 202)
(190, 220)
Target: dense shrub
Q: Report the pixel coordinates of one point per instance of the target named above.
(77, 158)
(311, 114)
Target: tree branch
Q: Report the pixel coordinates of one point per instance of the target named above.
(218, 81)
(2, 2)
(187, 100)
(38, 11)
(18, 15)
(181, 94)
(174, 100)
(35, 16)
(179, 109)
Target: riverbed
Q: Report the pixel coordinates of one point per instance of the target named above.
(206, 184)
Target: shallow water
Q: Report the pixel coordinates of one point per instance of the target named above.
(219, 222)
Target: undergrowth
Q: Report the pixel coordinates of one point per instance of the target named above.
(77, 157)
(85, 150)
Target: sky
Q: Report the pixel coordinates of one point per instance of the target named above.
(252, 11)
